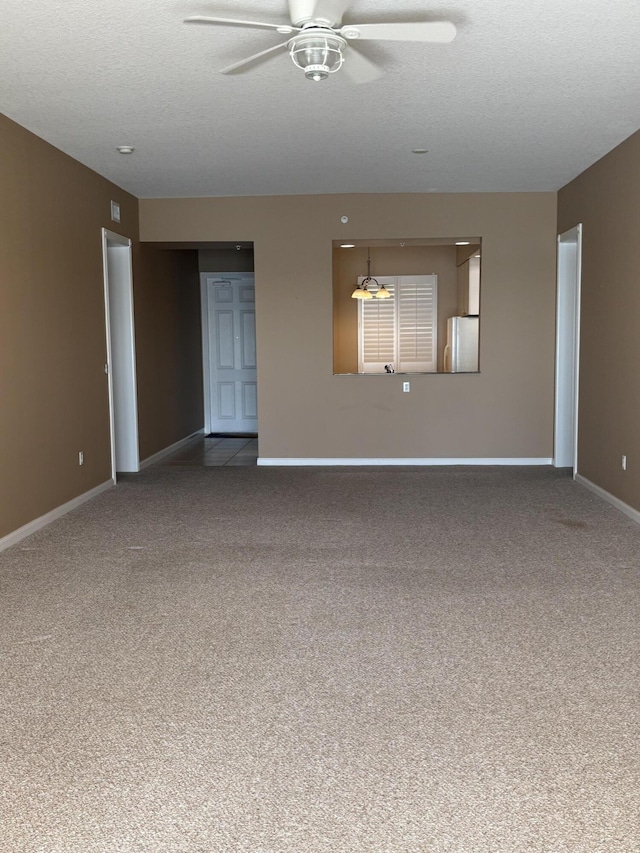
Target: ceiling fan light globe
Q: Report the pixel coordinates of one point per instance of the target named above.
(317, 55)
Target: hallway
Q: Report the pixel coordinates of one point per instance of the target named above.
(214, 451)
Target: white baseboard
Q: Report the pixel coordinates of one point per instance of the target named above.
(284, 460)
(38, 523)
(150, 460)
(633, 514)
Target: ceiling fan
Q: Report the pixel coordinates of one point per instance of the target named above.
(318, 40)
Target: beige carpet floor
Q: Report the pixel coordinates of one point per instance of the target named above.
(260, 660)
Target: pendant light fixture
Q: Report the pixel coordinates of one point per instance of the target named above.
(362, 291)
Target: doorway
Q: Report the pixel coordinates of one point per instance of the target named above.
(567, 349)
(229, 353)
(121, 356)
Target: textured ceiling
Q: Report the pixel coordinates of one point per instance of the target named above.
(525, 98)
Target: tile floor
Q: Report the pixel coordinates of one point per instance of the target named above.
(215, 451)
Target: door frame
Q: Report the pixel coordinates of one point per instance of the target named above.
(121, 354)
(219, 277)
(567, 372)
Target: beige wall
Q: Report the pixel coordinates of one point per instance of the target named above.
(387, 260)
(53, 389)
(168, 347)
(606, 199)
(52, 385)
(226, 260)
(306, 411)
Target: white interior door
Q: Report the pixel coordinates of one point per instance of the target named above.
(121, 357)
(567, 349)
(231, 353)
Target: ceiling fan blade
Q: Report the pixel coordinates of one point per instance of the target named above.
(433, 31)
(325, 11)
(358, 68)
(201, 19)
(230, 69)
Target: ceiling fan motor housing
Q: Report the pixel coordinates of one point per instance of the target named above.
(324, 13)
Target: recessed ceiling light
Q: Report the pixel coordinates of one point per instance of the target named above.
(347, 245)
(462, 243)
(419, 150)
(126, 149)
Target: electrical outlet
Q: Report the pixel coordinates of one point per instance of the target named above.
(406, 387)
(624, 462)
(80, 458)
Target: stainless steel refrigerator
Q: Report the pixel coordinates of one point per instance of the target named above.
(461, 350)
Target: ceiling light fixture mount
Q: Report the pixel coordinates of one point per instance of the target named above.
(126, 149)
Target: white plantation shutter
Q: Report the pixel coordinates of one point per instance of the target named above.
(417, 313)
(377, 345)
(400, 331)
